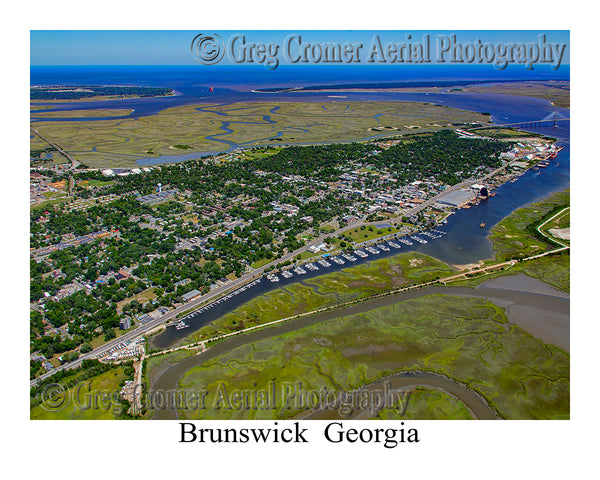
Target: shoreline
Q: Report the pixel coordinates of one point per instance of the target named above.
(225, 343)
(399, 86)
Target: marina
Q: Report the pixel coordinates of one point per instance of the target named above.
(179, 325)
(532, 296)
(459, 239)
(300, 271)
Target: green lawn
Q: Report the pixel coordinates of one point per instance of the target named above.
(262, 262)
(368, 233)
(95, 183)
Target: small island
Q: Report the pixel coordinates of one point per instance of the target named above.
(96, 92)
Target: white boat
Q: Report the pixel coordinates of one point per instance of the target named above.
(287, 274)
(179, 325)
(338, 260)
(300, 271)
(324, 263)
(312, 267)
(361, 254)
(383, 247)
(393, 244)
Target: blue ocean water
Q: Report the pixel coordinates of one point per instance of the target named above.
(192, 84)
(187, 78)
(466, 242)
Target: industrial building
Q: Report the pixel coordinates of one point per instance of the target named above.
(157, 197)
(457, 198)
(190, 295)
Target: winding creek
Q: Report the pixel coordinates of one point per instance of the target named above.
(464, 242)
(522, 291)
(531, 304)
(502, 109)
(403, 382)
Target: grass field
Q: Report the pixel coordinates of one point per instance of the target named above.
(157, 364)
(429, 404)
(141, 297)
(510, 239)
(100, 112)
(261, 262)
(466, 339)
(562, 221)
(36, 143)
(368, 233)
(507, 133)
(119, 142)
(331, 289)
(307, 254)
(547, 90)
(94, 399)
(95, 183)
(554, 270)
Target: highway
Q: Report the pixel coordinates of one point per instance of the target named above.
(247, 278)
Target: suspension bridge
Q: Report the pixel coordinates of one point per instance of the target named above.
(554, 119)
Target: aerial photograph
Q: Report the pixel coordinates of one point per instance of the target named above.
(299, 225)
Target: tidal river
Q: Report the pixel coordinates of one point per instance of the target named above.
(533, 305)
(465, 242)
(530, 303)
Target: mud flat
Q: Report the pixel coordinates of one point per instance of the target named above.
(546, 313)
(539, 309)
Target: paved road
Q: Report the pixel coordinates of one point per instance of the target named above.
(553, 238)
(74, 163)
(247, 278)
